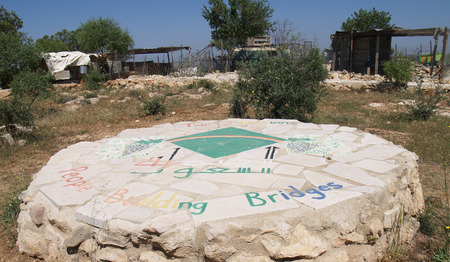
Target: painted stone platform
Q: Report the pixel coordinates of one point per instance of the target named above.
(229, 190)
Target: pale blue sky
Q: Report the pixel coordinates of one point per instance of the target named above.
(155, 23)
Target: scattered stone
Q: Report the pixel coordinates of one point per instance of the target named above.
(37, 214)
(151, 257)
(9, 139)
(4, 93)
(78, 235)
(303, 245)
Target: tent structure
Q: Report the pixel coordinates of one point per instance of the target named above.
(67, 65)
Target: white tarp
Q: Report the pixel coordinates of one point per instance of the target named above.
(58, 62)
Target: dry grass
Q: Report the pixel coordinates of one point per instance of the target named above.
(57, 127)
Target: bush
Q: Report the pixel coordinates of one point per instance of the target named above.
(205, 84)
(424, 105)
(154, 106)
(27, 86)
(93, 80)
(284, 86)
(14, 113)
(399, 71)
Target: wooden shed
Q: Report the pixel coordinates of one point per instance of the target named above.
(365, 52)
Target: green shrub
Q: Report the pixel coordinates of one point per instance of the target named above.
(14, 113)
(27, 86)
(284, 86)
(155, 106)
(399, 71)
(93, 80)
(424, 105)
(205, 84)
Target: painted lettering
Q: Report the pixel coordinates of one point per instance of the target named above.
(317, 192)
(201, 206)
(119, 193)
(296, 192)
(256, 199)
(331, 184)
(253, 195)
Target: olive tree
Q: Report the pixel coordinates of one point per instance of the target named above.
(17, 51)
(102, 36)
(233, 23)
(364, 20)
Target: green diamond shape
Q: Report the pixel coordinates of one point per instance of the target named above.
(224, 142)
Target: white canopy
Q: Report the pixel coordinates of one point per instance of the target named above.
(58, 62)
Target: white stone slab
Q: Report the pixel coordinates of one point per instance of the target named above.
(311, 133)
(163, 223)
(279, 130)
(135, 214)
(308, 126)
(329, 127)
(372, 139)
(318, 180)
(64, 196)
(291, 170)
(231, 190)
(353, 173)
(49, 173)
(345, 136)
(332, 198)
(64, 156)
(363, 189)
(380, 152)
(109, 181)
(90, 159)
(290, 122)
(196, 186)
(346, 129)
(302, 160)
(237, 206)
(285, 182)
(98, 213)
(259, 154)
(258, 180)
(103, 208)
(166, 200)
(375, 165)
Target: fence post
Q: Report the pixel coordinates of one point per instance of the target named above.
(351, 52)
(444, 42)
(377, 54)
(433, 56)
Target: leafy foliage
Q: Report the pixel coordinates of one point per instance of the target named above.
(28, 86)
(102, 36)
(9, 21)
(233, 23)
(14, 113)
(285, 86)
(93, 80)
(17, 51)
(364, 20)
(63, 40)
(154, 107)
(399, 70)
(424, 105)
(46, 45)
